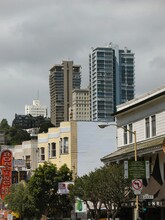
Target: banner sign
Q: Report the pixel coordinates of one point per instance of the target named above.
(63, 187)
(19, 163)
(6, 181)
(80, 206)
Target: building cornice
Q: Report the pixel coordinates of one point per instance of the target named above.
(139, 101)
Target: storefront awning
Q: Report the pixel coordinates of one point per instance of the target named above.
(161, 194)
(152, 188)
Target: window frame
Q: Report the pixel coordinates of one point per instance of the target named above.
(153, 125)
(147, 127)
(53, 151)
(42, 154)
(66, 147)
(125, 134)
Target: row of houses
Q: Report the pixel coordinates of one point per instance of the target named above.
(78, 144)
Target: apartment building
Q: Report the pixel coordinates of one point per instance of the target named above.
(111, 80)
(63, 78)
(80, 109)
(36, 109)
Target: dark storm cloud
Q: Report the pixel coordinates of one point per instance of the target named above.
(36, 34)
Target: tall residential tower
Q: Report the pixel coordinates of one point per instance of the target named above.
(63, 79)
(111, 80)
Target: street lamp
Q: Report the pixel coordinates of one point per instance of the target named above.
(135, 158)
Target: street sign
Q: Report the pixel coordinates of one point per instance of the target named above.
(136, 169)
(137, 186)
(147, 196)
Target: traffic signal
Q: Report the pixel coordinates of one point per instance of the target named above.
(144, 206)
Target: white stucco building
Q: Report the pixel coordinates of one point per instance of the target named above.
(36, 109)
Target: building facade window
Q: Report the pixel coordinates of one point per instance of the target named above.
(61, 151)
(150, 126)
(130, 133)
(53, 149)
(42, 154)
(28, 166)
(49, 152)
(153, 125)
(147, 127)
(125, 134)
(65, 145)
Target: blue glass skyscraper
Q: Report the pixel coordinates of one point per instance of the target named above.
(112, 80)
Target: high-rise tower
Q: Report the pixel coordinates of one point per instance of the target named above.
(62, 80)
(111, 80)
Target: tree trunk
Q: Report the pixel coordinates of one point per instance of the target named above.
(108, 215)
(114, 215)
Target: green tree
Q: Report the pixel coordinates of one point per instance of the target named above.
(87, 189)
(114, 188)
(45, 126)
(105, 186)
(16, 136)
(43, 187)
(4, 125)
(19, 201)
(13, 135)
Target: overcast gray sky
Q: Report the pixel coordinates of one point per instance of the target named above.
(36, 34)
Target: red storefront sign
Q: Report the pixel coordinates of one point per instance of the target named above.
(6, 172)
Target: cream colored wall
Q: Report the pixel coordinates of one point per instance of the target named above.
(66, 129)
(43, 142)
(74, 149)
(59, 160)
(81, 105)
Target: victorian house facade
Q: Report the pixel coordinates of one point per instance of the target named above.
(141, 124)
